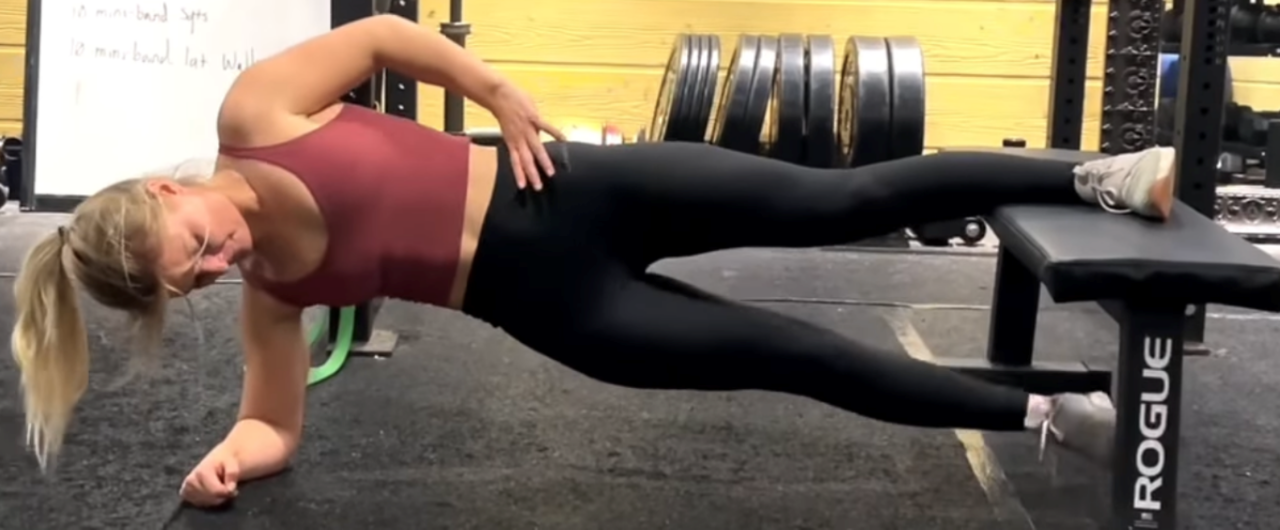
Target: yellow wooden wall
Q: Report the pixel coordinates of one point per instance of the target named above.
(987, 62)
(595, 61)
(13, 23)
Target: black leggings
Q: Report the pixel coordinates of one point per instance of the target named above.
(564, 270)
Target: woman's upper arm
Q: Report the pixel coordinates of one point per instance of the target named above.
(277, 361)
(307, 77)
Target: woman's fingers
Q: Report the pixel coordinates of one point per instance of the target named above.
(551, 130)
(529, 158)
(540, 152)
(515, 165)
(211, 484)
(530, 166)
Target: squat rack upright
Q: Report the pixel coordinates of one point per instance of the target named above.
(395, 94)
(350, 330)
(1130, 73)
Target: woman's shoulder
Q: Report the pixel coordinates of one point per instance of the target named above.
(244, 125)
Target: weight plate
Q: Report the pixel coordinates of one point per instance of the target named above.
(687, 128)
(710, 75)
(1266, 26)
(761, 92)
(668, 114)
(788, 109)
(729, 124)
(696, 129)
(690, 94)
(694, 91)
(906, 63)
(865, 100)
(820, 102)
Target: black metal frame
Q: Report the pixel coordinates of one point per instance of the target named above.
(30, 92)
(1070, 62)
(1146, 386)
(401, 99)
(1198, 121)
(454, 105)
(393, 94)
(1147, 382)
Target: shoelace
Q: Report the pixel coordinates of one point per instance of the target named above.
(1044, 431)
(1108, 196)
(1048, 427)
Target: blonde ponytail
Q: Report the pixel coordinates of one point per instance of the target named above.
(50, 344)
(110, 248)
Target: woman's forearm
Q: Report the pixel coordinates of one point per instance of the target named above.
(260, 448)
(415, 51)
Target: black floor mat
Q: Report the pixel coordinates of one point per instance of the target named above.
(464, 428)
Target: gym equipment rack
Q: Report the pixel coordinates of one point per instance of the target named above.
(1245, 206)
(1130, 73)
(397, 95)
(394, 94)
(457, 31)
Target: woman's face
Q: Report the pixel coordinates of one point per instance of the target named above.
(202, 238)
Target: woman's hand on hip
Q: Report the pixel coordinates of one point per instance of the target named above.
(521, 130)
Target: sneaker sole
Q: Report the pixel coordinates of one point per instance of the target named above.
(1162, 190)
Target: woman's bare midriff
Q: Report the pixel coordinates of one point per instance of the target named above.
(293, 212)
(481, 177)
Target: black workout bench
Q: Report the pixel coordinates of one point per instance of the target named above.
(1147, 275)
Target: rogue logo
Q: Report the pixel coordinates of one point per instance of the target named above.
(1153, 420)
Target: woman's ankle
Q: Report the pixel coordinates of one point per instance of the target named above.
(1038, 408)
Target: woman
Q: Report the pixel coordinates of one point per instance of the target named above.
(322, 203)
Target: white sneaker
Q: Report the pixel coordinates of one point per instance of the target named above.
(1140, 183)
(1084, 424)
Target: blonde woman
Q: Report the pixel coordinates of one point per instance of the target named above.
(323, 203)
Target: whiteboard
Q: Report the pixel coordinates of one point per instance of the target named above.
(123, 88)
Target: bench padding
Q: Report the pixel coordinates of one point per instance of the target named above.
(1084, 253)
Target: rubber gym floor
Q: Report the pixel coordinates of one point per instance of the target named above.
(465, 428)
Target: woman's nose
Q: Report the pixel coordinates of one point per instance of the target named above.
(214, 264)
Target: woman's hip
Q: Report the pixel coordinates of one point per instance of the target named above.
(533, 248)
(527, 291)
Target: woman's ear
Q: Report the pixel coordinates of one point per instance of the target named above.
(165, 187)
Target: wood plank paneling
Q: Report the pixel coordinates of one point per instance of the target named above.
(987, 61)
(593, 62)
(10, 128)
(1256, 70)
(13, 22)
(979, 38)
(11, 76)
(13, 28)
(961, 110)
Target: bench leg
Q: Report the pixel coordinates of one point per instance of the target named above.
(1148, 398)
(1194, 331)
(1014, 309)
(1012, 336)
(366, 339)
